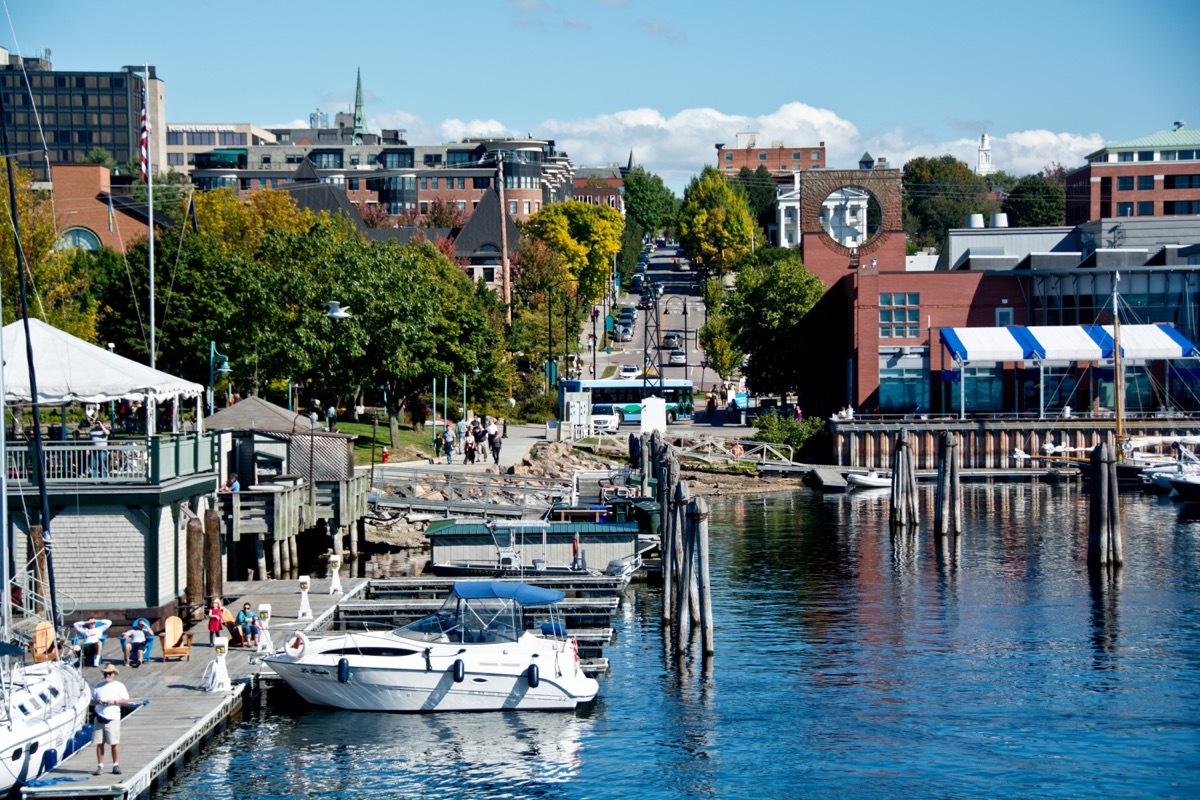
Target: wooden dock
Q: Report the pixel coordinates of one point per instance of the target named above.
(181, 717)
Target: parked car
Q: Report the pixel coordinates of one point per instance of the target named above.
(678, 358)
(625, 333)
(628, 371)
(606, 418)
(636, 283)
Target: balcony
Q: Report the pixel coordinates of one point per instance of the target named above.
(160, 460)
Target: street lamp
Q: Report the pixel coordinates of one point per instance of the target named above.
(464, 409)
(217, 363)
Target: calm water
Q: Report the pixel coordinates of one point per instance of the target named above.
(848, 664)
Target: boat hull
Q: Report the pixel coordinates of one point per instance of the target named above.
(56, 728)
(493, 677)
(868, 481)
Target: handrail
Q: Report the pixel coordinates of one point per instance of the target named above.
(31, 595)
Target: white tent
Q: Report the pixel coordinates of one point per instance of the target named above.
(71, 370)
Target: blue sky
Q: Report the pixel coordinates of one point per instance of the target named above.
(1049, 81)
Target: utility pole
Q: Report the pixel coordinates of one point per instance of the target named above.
(504, 267)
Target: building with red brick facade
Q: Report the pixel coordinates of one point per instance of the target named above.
(1154, 176)
(82, 196)
(781, 161)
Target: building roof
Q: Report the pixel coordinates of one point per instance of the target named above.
(254, 413)
(311, 193)
(484, 227)
(1179, 137)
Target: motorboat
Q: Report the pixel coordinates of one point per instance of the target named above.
(508, 539)
(1185, 488)
(869, 480)
(474, 654)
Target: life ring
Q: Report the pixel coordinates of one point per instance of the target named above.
(296, 645)
(738, 450)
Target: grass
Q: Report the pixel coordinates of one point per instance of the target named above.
(609, 371)
(411, 443)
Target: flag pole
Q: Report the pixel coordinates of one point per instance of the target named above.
(147, 175)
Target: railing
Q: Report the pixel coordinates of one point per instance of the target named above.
(117, 461)
(705, 448)
(32, 597)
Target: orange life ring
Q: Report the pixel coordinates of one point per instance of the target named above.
(738, 450)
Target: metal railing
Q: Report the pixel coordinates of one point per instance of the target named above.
(704, 448)
(116, 461)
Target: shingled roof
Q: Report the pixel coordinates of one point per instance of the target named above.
(483, 228)
(256, 414)
(316, 196)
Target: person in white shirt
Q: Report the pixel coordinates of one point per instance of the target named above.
(107, 699)
(135, 643)
(92, 630)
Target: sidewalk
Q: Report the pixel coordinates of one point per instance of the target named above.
(516, 447)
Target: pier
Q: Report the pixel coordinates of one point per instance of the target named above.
(181, 717)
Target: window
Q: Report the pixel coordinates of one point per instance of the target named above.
(354, 161)
(174, 159)
(352, 184)
(762, 156)
(1124, 156)
(266, 160)
(1179, 207)
(1004, 317)
(512, 207)
(462, 183)
(526, 208)
(900, 315)
(433, 183)
(816, 155)
(462, 204)
(174, 138)
(233, 138)
(1145, 155)
(1181, 182)
(795, 155)
(424, 208)
(1124, 209)
(1125, 183)
(729, 156)
(82, 238)
(424, 183)
(1145, 182)
(481, 183)
(202, 138)
(1145, 208)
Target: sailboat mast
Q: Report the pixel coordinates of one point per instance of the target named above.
(38, 447)
(1118, 377)
(148, 175)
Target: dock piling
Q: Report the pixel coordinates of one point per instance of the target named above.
(1105, 544)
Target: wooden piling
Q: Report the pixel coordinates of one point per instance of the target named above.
(700, 515)
(194, 533)
(276, 565)
(683, 619)
(293, 555)
(666, 547)
(1105, 543)
(260, 559)
(214, 569)
(948, 508)
(904, 509)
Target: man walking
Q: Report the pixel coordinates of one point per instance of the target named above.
(107, 699)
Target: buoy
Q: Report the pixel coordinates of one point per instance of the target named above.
(738, 450)
(460, 670)
(532, 675)
(296, 645)
(343, 670)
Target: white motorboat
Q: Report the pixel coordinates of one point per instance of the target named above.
(474, 654)
(869, 480)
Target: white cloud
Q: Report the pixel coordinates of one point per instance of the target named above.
(453, 129)
(1017, 153)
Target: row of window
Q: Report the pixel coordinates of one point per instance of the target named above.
(1148, 155)
(206, 138)
(900, 315)
(815, 155)
(119, 101)
(1181, 181)
(1171, 208)
(57, 81)
(1125, 183)
(1145, 208)
(109, 137)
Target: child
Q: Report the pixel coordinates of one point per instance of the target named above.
(216, 620)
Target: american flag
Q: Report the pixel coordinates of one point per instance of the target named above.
(145, 135)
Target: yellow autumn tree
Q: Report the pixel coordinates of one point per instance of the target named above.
(237, 224)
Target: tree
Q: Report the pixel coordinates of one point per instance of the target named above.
(716, 339)
(760, 194)
(939, 194)
(586, 237)
(648, 200)
(98, 155)
(714, 220)
(375, 215)
(1036, 201)
(765, 312)
(236, 224)
(443, 214)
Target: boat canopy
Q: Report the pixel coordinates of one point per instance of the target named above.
(523, 593)
(1065, 343)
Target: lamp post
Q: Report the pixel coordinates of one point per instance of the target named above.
(474, 371)
(217, 363)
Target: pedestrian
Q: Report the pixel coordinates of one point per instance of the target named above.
(216, 620)
(247, 621)
(493, 434)
(469, 449)
(481, 440)
(98, 436)
(331, 418)
(635, 451)
(504, 422)
(448, 444)
(107, 699)
(232, 485)
(460, 432)
(496, 453)
(422, 411)
(134, 645)
(92, 630)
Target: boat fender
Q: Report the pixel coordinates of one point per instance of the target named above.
(460, 670)
(343, 670)
(296, 645)
(532, 675)
(49, 760)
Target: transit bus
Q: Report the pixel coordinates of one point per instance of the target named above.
(626, 396)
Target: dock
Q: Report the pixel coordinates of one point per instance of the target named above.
(159, 738)
(181, 717)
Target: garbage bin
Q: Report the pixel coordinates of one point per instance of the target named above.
(648, 514)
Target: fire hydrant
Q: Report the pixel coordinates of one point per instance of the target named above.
(385, 455)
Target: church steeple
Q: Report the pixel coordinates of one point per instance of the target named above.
(360, 115)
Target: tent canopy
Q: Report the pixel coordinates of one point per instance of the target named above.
(1065, 343)
(70, 370)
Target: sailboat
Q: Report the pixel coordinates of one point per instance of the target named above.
(43, 698)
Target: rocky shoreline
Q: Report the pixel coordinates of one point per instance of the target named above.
(389, 534)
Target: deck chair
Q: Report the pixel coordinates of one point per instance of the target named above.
(233, 630)
(44, 645)
(149, 643)
(175, 642)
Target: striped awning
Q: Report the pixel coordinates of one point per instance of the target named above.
(1065, 343)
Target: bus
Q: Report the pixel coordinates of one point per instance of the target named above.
(626, 396)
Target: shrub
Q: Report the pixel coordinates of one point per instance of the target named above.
(778, 429)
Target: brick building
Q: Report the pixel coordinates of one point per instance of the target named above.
(82, 196)
(1154, 176)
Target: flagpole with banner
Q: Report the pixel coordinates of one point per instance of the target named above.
(147, 171)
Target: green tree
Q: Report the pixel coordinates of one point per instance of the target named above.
(649, 201)
(715, 225)
(939, 194)
(760, 194)
(765, 312)
(98, 155)
(1036, 201)
(716, 339)
(587, 238)
(631, 247)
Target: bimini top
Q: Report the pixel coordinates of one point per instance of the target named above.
(523, 593)
(1065, 343)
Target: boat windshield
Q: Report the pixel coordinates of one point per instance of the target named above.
(474, 621)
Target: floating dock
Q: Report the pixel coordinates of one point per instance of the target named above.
(181, 717)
